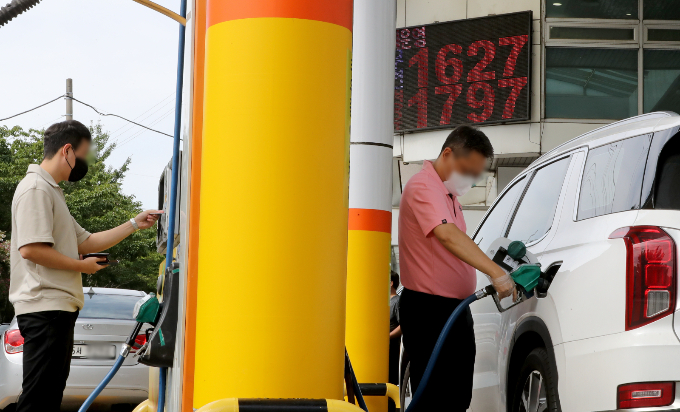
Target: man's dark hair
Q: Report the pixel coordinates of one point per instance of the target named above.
(464, 139)
(62, 133)
(394, 277)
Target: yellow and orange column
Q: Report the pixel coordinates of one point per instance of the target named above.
(199, 12)
(370, 193)
(270, 314)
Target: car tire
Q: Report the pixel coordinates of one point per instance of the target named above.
(536, 386)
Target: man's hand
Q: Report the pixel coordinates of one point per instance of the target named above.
(504, 286)
(103, 240)
(90, 265)
(145, 219)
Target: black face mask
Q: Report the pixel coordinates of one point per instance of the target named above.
(78, 171)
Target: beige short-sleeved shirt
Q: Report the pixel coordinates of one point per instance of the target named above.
(40, 215)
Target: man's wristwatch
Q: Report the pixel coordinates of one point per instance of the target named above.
(135, 226)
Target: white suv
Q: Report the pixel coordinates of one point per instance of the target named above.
(602, 215)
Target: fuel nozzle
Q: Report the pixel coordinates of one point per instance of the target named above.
(513, 258)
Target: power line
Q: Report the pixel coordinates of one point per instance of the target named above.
(37, 107)
(130, 128)
(134, 136)
(120, 117)
(51, 121)
(122, 140)
(98, 112)
(142, 114)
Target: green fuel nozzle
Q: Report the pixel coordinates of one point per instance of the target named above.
(525, 275)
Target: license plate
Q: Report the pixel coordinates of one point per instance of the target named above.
(94, 352)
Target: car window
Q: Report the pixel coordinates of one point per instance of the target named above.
(108, 306)
(666, 193)
(494, 225)
(612, 177)
(536, 211)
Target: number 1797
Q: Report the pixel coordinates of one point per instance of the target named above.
(449, 71)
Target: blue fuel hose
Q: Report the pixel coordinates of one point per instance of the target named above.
(163, 373)
(102, 384)
(438, 348)
(172, 224)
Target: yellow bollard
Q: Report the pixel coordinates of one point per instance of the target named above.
(270, 309)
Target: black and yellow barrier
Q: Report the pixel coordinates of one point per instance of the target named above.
(273, 405)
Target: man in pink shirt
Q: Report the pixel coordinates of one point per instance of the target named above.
(438, 262)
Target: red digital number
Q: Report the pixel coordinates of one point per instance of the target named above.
(488, 101)
(421, 59)
(517, 85)
(419, 35)
(398, 105)
(476, 74)
(517, 43)
(441, 64)
(454, 91)
(420, 100)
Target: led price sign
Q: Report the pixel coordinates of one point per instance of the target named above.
(473, 71)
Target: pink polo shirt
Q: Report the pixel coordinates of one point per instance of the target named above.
(426, 266)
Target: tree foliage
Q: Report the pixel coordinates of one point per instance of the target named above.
(96, 202)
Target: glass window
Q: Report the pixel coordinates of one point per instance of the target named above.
(661, 80)
(592, 9)
(612, 177)
(108, 306)
(660, 10)
(494, 226)
(590, 33)
(663, 35)
(591, 83)
(535, 215)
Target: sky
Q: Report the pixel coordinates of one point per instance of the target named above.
(122, 58)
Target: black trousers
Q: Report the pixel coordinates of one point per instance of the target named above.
(395, 349)
(422, 317)
(48, 345)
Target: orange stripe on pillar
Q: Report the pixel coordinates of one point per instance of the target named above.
(329, 11)
(370, 219)
(194, 208)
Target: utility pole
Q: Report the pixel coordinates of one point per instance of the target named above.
(69, 99)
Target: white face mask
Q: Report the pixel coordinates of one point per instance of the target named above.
(458, 184)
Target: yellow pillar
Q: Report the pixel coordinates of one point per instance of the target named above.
(270, 316)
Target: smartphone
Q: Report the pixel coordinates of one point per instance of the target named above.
(156, 214)
(108, 263)
(99, 255)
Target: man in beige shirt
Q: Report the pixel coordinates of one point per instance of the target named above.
(45, 279)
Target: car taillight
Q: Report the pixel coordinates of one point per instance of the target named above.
(650, 274)
(140, 340)
(645, 395)
(14, 342)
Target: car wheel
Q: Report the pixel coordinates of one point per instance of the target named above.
(405, 394)
(536, 388)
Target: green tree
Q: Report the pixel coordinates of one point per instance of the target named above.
(6, 309)
(96, 202)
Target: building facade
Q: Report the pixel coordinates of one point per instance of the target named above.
(592, 62)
